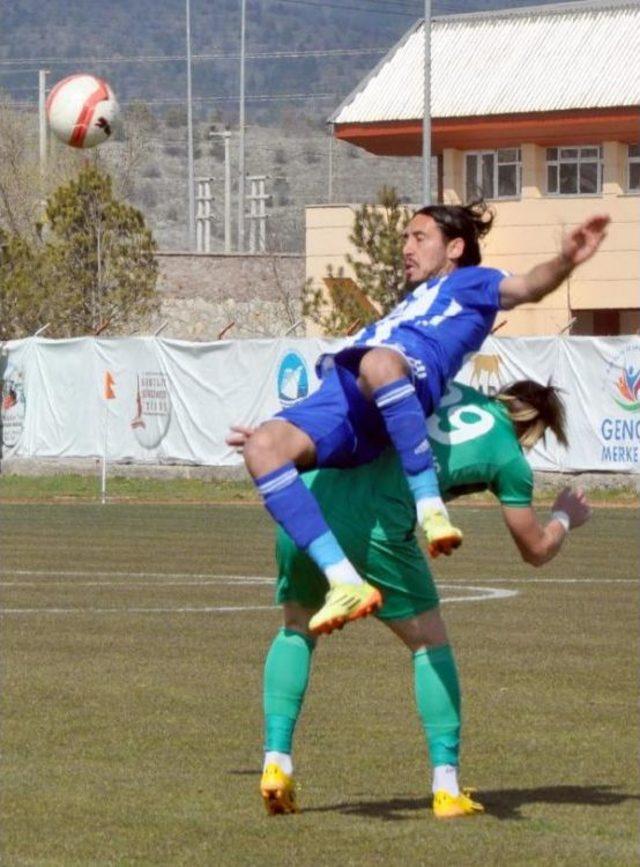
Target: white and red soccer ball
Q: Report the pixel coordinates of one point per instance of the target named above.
(82, 110)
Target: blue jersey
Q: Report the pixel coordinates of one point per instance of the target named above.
(434, 327)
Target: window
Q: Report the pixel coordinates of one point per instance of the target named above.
(597, 323)
(634, 168)
(493, 174)
(574, 171)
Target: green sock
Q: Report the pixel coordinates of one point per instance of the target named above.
(438, 699)
(286, 674)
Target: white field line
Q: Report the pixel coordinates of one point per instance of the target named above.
(554, 580)
(489, 593)
(482, 593)
(224, 609)
(132, 585)
(206, 578)
(478, 594)
(193, 576)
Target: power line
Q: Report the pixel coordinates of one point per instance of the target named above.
(256, 97)
(162, 58)
(170, 100)
(18, 71)
(378, 11)
(404, 4)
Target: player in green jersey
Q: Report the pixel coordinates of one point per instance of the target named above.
(478, 444)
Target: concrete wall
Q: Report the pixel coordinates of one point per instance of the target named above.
(527, 231)
(201, 294)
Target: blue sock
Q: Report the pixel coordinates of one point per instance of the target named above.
(406, 425)
(294, 507)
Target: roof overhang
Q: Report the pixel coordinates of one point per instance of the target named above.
(547, 129)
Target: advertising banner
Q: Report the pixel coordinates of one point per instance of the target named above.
(152, 400)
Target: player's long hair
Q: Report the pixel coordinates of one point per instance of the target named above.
(469, 222)
(533, 409)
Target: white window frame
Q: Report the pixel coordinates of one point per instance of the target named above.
(496, 163)
(632, 160)
(579, 160)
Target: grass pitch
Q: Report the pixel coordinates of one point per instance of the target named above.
(132, 643)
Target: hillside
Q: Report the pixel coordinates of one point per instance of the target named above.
(139, 46)
(296, 164)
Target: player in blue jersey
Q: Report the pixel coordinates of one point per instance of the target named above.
(382, 387)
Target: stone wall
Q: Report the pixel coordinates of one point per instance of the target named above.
(201, 294)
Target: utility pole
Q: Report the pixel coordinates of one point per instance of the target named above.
(426, 120)
(258, 214)
(241, 123)
(330, 191)
(42, 119)
(190, 173)
(226, 138)
(204, 200)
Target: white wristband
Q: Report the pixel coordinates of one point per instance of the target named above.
(563, 518)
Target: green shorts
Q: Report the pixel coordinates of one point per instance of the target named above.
(397, 568)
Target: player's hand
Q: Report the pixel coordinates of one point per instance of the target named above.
(238, 436)
(575, 504)
(581, 243)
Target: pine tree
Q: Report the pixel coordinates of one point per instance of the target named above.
(93, 265)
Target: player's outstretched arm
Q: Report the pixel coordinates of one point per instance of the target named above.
(540, 543)
(578, 245)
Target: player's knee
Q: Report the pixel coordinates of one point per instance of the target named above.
(259, 448)
(381, 366)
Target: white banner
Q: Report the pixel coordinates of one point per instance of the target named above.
(152, 400)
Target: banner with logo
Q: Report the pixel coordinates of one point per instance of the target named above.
(13, 404)
(604, 402)
(504, 360)
(153, 400)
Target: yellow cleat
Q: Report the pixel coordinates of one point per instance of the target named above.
(446, 806)
(278, 791)
(344, 603)
(442, 536)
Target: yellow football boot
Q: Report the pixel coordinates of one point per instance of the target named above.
(446, 806)
(278, 791)
(344, 603)
(442, 536)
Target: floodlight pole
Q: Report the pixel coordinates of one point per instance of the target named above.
(190, 172)
(330, 191)
(426, 119)
(241, 123)
(226, 138)
(103, 474)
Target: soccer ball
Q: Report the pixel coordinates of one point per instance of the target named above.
(82, 110)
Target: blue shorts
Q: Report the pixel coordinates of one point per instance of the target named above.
(426, 370)
(347, 430)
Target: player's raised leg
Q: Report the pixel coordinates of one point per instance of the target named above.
(271, 455)
(384, 376)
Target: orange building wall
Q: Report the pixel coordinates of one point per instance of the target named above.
(528, 230)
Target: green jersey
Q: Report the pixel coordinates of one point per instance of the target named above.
(475, 448)
(372, 511)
